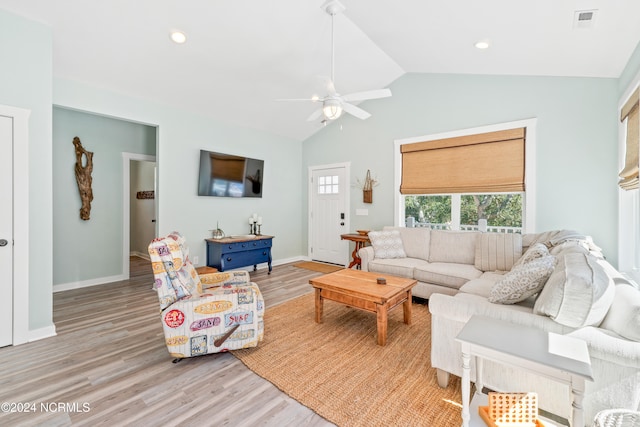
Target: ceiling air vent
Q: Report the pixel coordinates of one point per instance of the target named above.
(584, 18)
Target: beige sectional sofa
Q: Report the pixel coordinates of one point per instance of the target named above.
(578, 293)
(443, 261)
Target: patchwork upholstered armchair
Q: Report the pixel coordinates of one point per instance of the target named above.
(204, 314)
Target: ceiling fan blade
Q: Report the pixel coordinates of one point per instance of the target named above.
(315, 115)
(355, 111)
(369, 94)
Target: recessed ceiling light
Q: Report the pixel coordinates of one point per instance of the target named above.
(178, 37)
(482, 44)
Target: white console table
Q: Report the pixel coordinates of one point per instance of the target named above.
(561, 358)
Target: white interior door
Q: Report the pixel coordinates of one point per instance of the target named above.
(6, 230)
(329, 216)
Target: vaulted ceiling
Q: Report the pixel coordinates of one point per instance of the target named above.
(240, 56)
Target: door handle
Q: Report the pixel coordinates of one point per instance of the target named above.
(3, 242)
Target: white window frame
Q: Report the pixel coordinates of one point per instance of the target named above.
(628, 205)
(529, 198)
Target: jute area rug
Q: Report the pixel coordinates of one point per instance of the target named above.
(318, 266)
(337, 369)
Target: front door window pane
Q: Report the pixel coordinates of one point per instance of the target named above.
(328, 184)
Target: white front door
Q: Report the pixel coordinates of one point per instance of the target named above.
(6, 230)
(329, 216)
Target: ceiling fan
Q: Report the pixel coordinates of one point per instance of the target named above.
(334, 104)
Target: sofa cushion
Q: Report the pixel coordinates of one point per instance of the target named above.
(523, 281)
(447, 274)
(623, 316)
(401, 267)
(453, 246)
(483, 284)
(387, 244)
(578, 293)
(497, 251)
(415, 241)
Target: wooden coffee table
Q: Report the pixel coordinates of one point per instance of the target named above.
(359, 289)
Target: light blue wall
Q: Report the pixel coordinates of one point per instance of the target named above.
(181, 136)
(630, 72)
(85, 250)
(576, 142)
(25, 82)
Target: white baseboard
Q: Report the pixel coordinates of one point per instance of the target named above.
(90, 282)
(140, 255)
(292, 259)
(41, 333)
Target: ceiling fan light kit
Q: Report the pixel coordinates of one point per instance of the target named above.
(332, 109)
(334, 104)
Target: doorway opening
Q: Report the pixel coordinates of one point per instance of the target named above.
(139, 207)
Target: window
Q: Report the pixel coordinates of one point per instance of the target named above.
(482, 178)
(502, 211)
(630, 115)
(328, 185)
(629, 194)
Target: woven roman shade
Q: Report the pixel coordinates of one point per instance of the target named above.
(483, 163)
(630, 112)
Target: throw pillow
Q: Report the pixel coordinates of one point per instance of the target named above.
(623, 317)
(387, 244)
(523, 281)
(537, 250)
(578, 293)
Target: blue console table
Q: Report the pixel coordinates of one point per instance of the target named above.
(234, 252)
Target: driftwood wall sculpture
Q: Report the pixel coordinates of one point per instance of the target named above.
(83, 177)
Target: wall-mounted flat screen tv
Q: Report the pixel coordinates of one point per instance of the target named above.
(226, 175)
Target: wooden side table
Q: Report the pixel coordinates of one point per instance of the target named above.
(558, 357)
(360, 241)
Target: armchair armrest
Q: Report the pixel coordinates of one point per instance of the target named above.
(231, 278)
(366, 254)
(609, 346)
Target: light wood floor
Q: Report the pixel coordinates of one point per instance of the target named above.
(108, 365)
